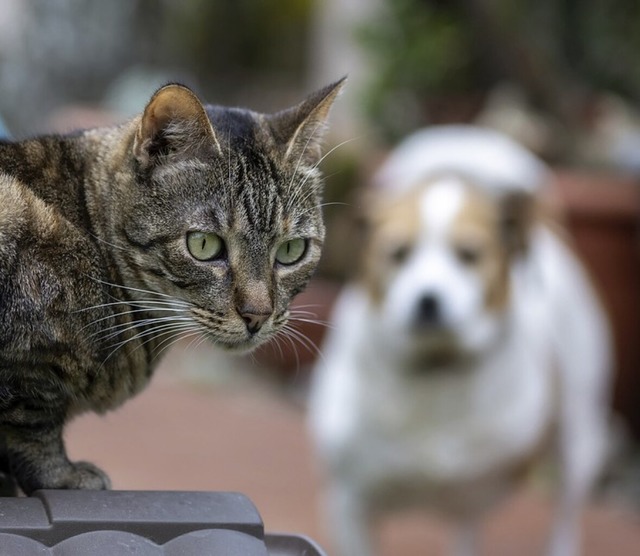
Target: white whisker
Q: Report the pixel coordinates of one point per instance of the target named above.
(122, 248)
(307, 306)
(275, 343)
(302, 153)
(304, 212)
(199, 336)
(121, 328)
(229, 153)
(166, 344)
(323, 323)
(301, 338)
(131, 312)
(158, 331)
(336, 147)
(304, 315)
(340, 203)
(129, 288)
(155, 331)
(143, 303)
(286, 336)
(299, 310)
(203, 339)
(310, 173)
(308, 317)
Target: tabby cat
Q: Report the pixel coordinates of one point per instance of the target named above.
(114, 240)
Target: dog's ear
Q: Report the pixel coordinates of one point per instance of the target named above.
(517, 215)
(361, 222)
(365, 208)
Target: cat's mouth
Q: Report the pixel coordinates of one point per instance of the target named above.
(240, 346)
(231, 336)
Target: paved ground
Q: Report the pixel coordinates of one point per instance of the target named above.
(188, 432)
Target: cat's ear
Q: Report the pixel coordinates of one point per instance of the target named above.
(299, 130)
(174, 124)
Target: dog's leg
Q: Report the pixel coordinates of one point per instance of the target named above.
(576, 482)
(349, 520)
(581, 344)
(465, 541)
(581, 451)
(565, 538)
(582, 448)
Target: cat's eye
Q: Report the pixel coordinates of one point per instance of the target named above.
(291, 251)
(204, 246)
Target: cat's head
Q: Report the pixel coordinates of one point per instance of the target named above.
(223, 221)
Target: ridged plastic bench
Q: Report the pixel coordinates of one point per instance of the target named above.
(144, 523)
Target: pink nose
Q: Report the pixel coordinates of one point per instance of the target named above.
(254, 321)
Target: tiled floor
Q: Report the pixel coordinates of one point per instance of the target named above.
(242, 434)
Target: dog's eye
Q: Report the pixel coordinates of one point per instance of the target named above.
(400, 253)
(468, 255)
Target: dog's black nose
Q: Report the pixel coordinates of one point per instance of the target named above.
(428, 312)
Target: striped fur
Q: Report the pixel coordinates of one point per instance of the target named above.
(96, 278)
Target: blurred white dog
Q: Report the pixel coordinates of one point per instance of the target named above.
(472, 342)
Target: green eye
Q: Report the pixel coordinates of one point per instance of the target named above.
(204, 246)
(291, 251)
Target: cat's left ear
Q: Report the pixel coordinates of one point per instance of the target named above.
(300, 129)
(174, 124)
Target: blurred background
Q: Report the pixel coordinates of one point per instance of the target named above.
(560, 76)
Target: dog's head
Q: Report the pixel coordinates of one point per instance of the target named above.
(437, 265)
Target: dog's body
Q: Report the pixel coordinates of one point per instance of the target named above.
(472, 342)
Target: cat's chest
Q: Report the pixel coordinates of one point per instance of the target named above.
(123, 367)
(114, 385)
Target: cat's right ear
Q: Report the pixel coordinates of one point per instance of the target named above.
(299, 130)
(174, 125)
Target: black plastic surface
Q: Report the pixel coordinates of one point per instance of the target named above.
(145, 523)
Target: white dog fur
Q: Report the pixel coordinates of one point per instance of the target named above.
(443, 377)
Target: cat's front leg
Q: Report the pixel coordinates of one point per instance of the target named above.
(37, 460)
(8, 486)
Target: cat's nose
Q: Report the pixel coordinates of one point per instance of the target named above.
(254, 304)
(254, 320)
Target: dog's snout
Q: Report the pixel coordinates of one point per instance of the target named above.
(428, 311)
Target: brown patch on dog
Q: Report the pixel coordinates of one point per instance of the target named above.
(486, 235)
(392, 229)
(477, 238)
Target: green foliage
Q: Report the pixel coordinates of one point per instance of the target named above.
(433, 49)
(610, 45)
(418, 49)
(226, 39)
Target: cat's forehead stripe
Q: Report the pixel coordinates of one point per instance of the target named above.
(234, 126)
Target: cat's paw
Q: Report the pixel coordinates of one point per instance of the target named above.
(65, 475)
(85, 475)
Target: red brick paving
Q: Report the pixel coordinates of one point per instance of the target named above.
(181, 435)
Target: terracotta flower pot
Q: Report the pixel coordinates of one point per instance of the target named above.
(603, 215)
